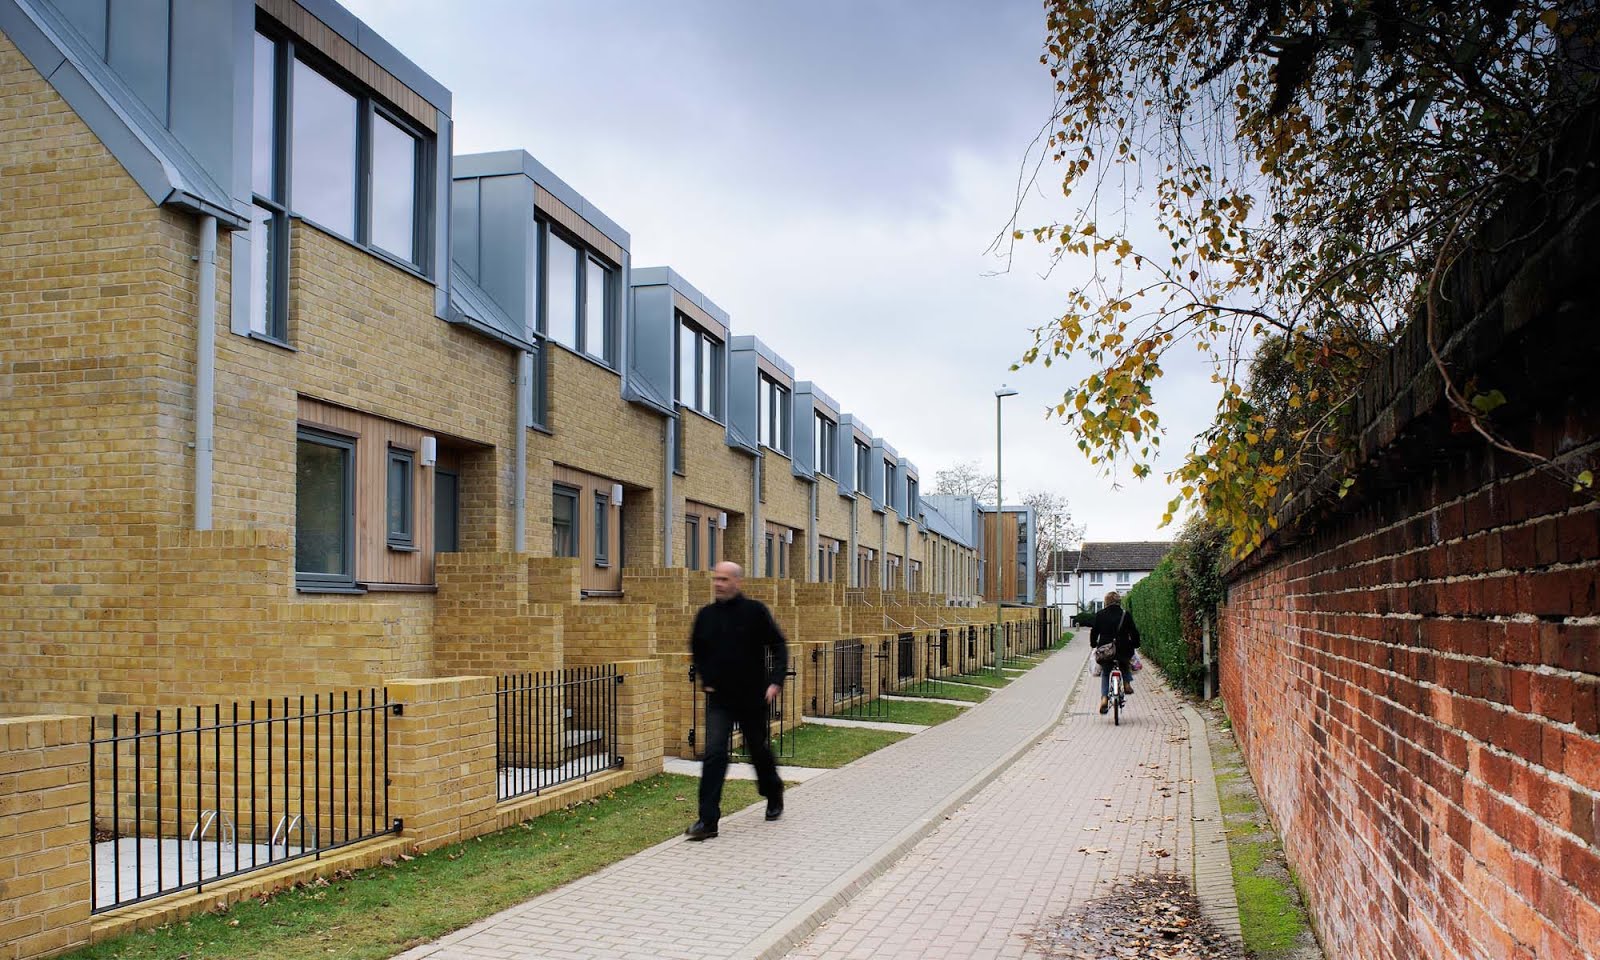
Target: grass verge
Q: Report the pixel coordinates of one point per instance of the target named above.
(815, 745)
(382, 911)
(1272, 917)
(983, 678)
(946, 691)
(927, 714)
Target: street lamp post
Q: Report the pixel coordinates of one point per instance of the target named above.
(999, 516)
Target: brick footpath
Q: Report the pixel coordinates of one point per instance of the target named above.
(760, 888)
(1092, 804)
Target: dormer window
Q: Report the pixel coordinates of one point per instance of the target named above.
(699, 380)
(579, 295)
(774, 414)
(827, 452)
(325, 150)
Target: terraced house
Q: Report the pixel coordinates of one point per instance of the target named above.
(297, 402)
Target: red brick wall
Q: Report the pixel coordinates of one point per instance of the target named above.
(1414, 670)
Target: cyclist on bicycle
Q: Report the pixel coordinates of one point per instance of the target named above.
(1114, 625)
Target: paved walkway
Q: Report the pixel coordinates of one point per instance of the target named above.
(760, 888)
(1092, 804)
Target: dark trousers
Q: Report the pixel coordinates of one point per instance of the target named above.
(752, 720)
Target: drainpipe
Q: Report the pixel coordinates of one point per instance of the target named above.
(205, 388)
(672, 426)
(519, 489)
(758, 530)
(811, 533)
(855, 578)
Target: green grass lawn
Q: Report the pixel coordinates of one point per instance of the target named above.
(946, 691)
(983, 678)
(927, 714)
(385, 910)
(816, 745)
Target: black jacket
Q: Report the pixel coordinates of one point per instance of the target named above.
(1109, 625)
(738, 649)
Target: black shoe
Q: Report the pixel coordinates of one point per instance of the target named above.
(1105, 705)
(699, 831)
(774, 810)
(1127, 688)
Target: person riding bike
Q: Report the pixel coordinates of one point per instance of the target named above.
(1114, 626)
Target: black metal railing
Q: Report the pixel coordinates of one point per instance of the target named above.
(186, 797)
(846, 678)
(554, 727)
(783, 719)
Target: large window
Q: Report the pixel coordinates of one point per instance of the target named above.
(888, 483)
(578, 295)
(401, 526)
(827, 452)
(324, 523)
(774, 413)
(564, 521)
(699, 380)
(326, 150)
(863, 462)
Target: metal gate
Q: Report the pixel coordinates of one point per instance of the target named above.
(783, 718)
(842, 682)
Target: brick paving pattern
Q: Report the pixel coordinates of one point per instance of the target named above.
(1090, 805)
(759, 888)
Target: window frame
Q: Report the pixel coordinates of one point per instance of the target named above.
(602, 529)
(400, 540)
(827, 452)
(575, 495)
(712, 542)
(775, 424)
(709, 368)
(311, 580)
(691, 543)
(1124, 578)
(544, 228)
(287, 50)
(1097, 578)
(863, 465)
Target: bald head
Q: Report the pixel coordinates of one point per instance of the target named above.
(726, 579)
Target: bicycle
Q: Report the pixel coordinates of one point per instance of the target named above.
(1117, 697)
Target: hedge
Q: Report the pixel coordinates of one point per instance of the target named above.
(1153, 603)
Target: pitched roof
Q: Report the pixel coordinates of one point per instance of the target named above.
(1064, 560)
(1134, 555)
(940, 524)
(470, 305)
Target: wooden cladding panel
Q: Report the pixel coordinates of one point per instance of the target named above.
(376, 562)
(326, 41)
(548, 205)
(771, 370)
(1000, 547)
(590, 487)
(707, 323)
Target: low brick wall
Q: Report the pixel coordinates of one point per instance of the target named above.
(45, 881)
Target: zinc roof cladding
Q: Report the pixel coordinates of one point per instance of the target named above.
(152, 155)
(827, 403)
(1130, 555)
(380, 51)
(937, 522)
(470, 305)
(657, 276)
(748, 342)
(510, 162)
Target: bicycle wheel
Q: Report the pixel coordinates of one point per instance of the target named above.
(1116, 700)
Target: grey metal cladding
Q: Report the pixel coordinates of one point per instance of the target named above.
(505, 246)
(442, 213)
(465, 239)
(650, 276)
(474, 308)
(204, 96)
(743, 404)
(137, 49)
(649, 372)
(507, 162)
(827, 404)
(89, 18)
(381, 52)
(803, 450)
(161, 166)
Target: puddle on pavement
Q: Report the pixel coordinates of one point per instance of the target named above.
(1151, 918)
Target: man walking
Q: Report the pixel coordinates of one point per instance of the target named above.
(741, 658)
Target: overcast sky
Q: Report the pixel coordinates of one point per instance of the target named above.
(830, 173)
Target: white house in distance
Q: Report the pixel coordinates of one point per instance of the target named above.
(1080, 579)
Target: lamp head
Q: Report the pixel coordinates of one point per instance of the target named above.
(1005, 391)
